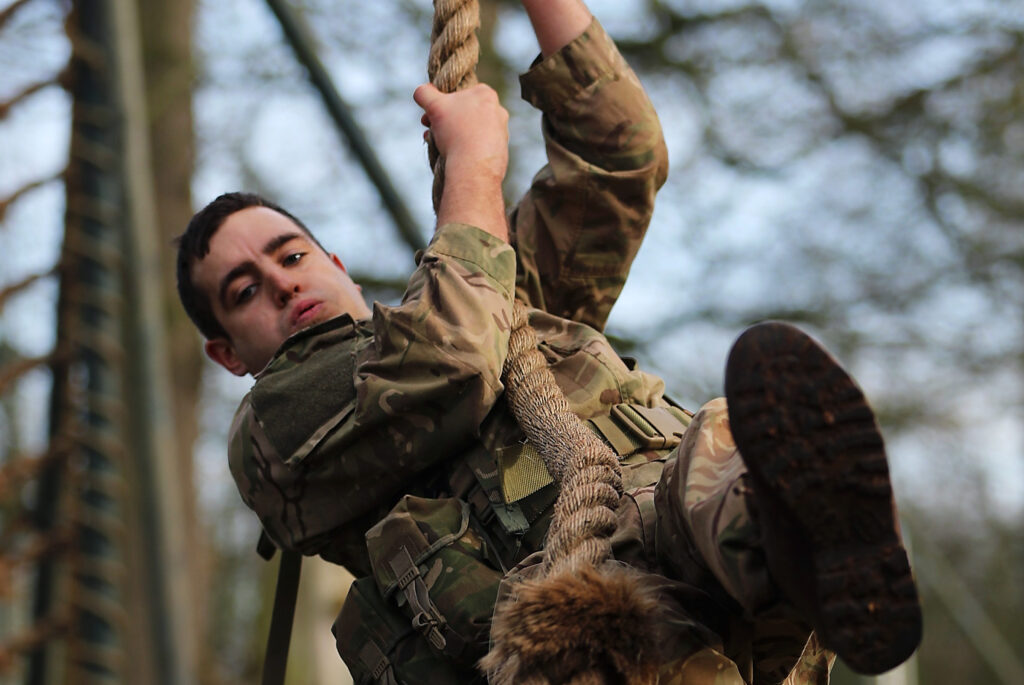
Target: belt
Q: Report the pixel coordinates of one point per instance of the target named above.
(627, 429)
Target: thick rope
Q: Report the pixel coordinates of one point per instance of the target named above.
(536, 636)
(586, 468)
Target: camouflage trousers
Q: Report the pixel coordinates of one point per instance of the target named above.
(706, 536)
(689, 533)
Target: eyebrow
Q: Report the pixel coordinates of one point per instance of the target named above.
(274, 243)
(249, 267)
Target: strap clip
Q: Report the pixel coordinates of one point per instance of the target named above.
(631, 428)
(378, 664)
(426, 618)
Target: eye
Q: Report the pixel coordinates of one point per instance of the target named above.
(292, 258)
(245, 294)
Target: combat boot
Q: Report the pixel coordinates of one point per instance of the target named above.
(822, 497)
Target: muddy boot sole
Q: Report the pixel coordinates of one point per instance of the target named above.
(822, 495)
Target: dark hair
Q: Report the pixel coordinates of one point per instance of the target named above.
(194, 245)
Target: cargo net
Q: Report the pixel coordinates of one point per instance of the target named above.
(60, 533)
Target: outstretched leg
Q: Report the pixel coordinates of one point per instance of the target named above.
(778, 503)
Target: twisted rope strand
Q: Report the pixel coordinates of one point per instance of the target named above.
(586, 468)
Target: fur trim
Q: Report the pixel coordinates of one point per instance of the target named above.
(596, 626)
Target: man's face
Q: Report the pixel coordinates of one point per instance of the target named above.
(266, 279)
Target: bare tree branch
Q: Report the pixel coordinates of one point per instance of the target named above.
(6, 202)
(8, 12)
(24, 93)
(17, 287)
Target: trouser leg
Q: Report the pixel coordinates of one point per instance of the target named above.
(706, 529)
(707, 535)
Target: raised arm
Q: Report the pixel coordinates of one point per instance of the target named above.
(470, 128)
(579, 227)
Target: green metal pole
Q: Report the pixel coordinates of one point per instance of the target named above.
(95, 646)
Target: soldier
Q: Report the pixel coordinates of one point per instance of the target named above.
(380, 439)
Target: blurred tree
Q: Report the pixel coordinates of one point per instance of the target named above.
(889, 147)
(166, 39)
(107, 154)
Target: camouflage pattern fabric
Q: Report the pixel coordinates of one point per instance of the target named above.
(816, 662)
(427, 372)
(706, 535)
(428, 559)
(580, 225)
(379, 645)
(350, 419)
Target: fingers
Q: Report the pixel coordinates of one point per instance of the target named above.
(425, 120)
(468, 120)
(435, 103)
(470, 129)
(425, 95)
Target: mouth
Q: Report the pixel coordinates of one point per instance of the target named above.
(304, 313)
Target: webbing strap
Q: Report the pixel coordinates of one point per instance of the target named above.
(276, 660)
(426, 619)
(377, 663)
(521, 472)
(620, 440)
(265, 547)
(627, 429)
(488, 475)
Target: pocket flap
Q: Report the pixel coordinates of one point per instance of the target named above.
(419, 526)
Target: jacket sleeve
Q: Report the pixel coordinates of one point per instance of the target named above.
(579, 227)
(409, 390)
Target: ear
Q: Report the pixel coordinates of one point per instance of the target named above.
(337, 262)
(222, 351)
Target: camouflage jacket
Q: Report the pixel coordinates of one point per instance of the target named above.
(351, 415)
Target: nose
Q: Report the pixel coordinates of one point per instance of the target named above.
(285, 287)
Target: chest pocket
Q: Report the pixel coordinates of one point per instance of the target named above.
(516, 487)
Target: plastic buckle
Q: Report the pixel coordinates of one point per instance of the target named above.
(653, 428)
